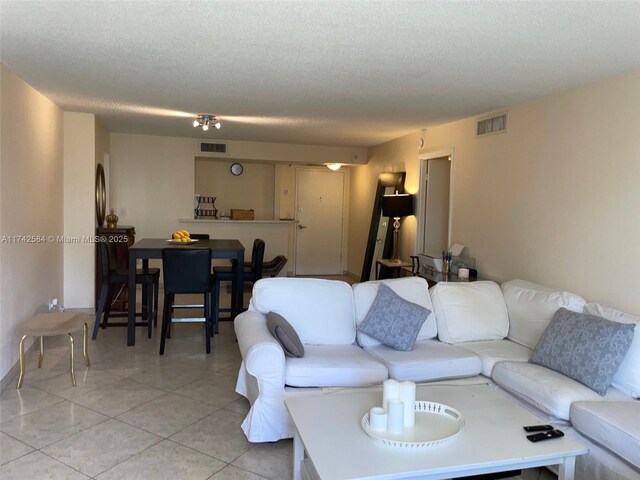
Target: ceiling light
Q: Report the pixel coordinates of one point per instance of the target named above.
(334, 166)
(205, 121)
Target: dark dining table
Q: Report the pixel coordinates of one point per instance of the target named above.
(152, 248)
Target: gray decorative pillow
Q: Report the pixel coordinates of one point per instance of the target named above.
(584, 347)
(285, 334)
(393, 320)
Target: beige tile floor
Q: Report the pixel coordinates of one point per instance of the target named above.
(136, 415)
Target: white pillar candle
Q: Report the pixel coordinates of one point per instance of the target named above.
(378, 419)
(396, 417)
(463, 273)
(390, 391)
(408, 397)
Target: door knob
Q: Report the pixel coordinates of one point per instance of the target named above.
(300, 227)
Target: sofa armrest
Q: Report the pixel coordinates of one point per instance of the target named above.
(262, 355)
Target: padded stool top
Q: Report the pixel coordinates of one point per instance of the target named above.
(54, 323)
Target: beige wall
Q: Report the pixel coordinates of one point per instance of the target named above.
(285, 152)
(555, 200)
(152, 178)
(254, 189)
(80, 149)
(399, 155)
(31, 203)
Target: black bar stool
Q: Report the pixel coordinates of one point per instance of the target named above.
(186, 271)
(252, 273)
(149, 278)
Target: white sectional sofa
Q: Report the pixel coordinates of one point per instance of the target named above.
(478, 331)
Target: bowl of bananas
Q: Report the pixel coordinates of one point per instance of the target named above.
(181, 237)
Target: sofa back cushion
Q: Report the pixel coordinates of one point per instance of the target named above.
(412, 289)
(627, 378)
(469, 312)
(320, 311)
(531, 307)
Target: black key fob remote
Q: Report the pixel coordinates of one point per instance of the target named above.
(538, 437)
(538, 428)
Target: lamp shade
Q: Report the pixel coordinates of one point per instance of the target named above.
(399, 205)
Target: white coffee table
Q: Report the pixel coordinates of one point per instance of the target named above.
(328, 429)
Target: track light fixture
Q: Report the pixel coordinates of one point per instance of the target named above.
(206, 121)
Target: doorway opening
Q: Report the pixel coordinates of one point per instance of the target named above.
(435, 202)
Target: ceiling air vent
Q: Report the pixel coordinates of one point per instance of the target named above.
(492, 125)
(206, 147)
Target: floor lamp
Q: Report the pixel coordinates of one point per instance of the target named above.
(397, 206)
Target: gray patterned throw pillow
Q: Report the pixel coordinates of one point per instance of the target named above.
(393, 320)
(584, 347)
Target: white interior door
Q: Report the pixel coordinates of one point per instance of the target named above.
(319, 208)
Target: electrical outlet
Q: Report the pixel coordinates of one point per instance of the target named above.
(53, 304)
(123, 212)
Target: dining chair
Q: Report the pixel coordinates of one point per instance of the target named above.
(113, 277)
(272, 267)
(252, 273)
(186, 271)
(188, 306)
(199, 236)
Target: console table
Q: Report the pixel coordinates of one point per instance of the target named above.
(432, 277)
(385, 265)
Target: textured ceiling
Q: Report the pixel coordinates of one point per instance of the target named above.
(332, 72)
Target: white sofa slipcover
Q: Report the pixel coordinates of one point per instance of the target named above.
(531, 307)
(443, 360)
(263, 373)
(615, 425)
(467, 312)
(547, 390)
(334, 366)
(492, 351)
(320, 311)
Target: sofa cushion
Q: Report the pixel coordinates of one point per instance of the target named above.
(531, 307)
(492, 351)
(584, 347)
(320, 311)
(413, 289)
(468, 312)
(614, 425)
(393, 320)
(334, 366)
(627, 378)
(545, 389)
(429, 360)
(285, 334)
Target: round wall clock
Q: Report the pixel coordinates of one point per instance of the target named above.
(237, 169)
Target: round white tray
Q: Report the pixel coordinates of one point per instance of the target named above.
(436, 423)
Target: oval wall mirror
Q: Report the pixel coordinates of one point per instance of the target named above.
(101, 195)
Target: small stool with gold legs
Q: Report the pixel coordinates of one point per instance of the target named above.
(50, 324)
